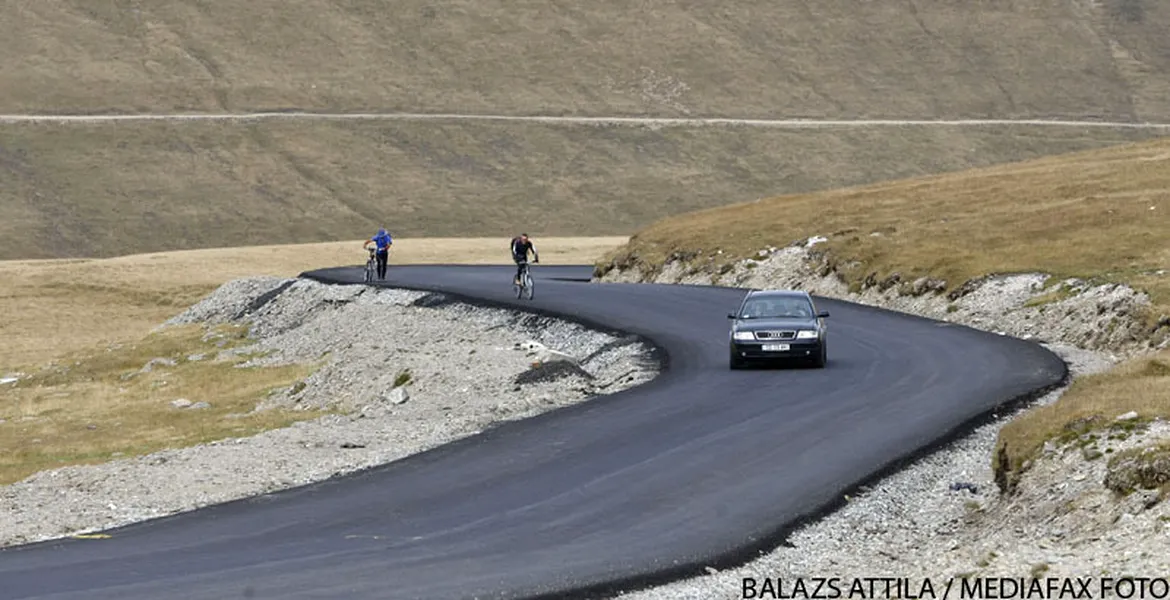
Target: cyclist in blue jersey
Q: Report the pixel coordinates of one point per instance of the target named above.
(382, 242)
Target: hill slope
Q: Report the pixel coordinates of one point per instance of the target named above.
(753, 58)
(110, 189)
(116, 188)
(1103, 215)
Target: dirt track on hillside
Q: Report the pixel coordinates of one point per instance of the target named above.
(651, 121)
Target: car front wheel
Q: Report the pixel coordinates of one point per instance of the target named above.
(821, 358)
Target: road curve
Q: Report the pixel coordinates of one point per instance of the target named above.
(700, 467)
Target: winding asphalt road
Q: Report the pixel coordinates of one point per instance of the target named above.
(702, 466)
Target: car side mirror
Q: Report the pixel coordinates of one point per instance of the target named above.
(731, 316)
(823, 314)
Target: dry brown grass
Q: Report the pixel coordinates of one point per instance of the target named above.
(55, 307)
(1089, 407)
(94, 318)
(1101, 214)
(95, 406)
(837, 58)
(99, 190)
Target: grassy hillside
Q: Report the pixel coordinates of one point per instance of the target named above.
(1101, 214)
(73, 190)
(117, 188)
(831, 58)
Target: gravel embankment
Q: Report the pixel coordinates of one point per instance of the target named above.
(469, 367)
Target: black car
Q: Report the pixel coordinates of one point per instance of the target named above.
(777, 325)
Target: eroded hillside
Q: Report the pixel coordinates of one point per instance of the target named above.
(749, 58)
(102, 189)
(109, 189)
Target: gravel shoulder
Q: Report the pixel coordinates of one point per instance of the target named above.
(402, 372)
(943, 515)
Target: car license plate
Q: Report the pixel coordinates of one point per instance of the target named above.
(775, 347)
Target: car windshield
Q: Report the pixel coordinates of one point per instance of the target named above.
(776, 307)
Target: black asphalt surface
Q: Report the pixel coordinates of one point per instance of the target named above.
(700, 467)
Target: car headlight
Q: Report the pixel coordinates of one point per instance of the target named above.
(806, 335)
(743, 336)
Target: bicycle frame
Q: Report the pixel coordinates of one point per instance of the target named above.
(526, 284)
(371, 264)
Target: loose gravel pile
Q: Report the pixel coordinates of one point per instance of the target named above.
(408, 371)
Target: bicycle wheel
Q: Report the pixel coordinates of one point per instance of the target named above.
(369, 276)
(529, 289)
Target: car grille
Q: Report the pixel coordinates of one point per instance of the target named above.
(775, 335)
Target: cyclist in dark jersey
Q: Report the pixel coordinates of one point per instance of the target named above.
(521, 246)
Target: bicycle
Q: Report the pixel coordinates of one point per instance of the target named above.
(526, 285)
(371, 264)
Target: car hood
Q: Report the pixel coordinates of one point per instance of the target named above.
(768, 324)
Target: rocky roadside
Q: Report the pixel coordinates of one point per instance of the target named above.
(1098, 317)
(405, 370)
(943, 516)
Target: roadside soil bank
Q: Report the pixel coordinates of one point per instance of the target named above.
(1091, 503)
(399, 372)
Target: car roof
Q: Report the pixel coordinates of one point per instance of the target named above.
(779, 293)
